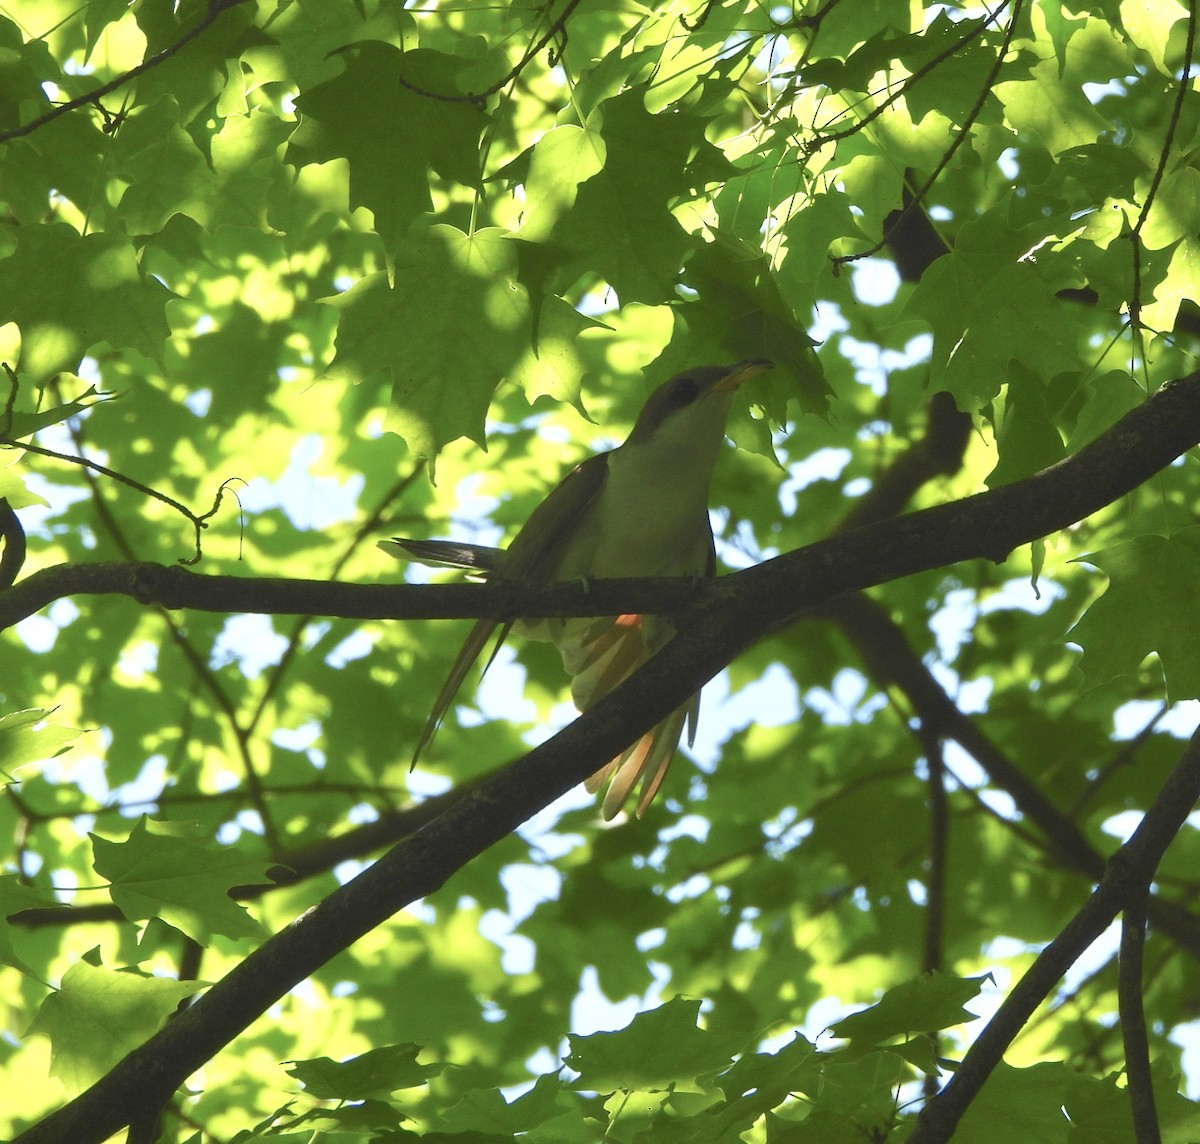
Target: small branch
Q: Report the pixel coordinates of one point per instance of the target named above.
(558, 26)
(938, 453)
(198, 522)
(890, 660)
(215, 9)
(935, 881)
(961, 135)
(1130, 1006)
(1164, 155)
(294, 866)
(1125, 756)
(939, 841)
(1127, 874)
(822, 139)
(367, 529)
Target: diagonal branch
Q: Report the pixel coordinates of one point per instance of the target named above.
(890, 659)
(1127, 875)
(215, 9)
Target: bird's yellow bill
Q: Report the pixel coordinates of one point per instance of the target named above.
(743, 372)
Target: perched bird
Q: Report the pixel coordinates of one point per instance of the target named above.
(638, 510)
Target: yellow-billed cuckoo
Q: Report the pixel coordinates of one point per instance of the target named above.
(638, 510)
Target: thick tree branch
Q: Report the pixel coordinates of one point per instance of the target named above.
(769, 596)
(727, 617)
(12, 544)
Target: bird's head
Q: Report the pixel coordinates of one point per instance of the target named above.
(688, 412)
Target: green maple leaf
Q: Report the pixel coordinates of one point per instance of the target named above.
(933, 1001)
(987, 306)
(68, 291)
(166, 172)
(99, 1016)
(1026, 439)
(486, 1110)
(621, 224)
(376, 117)
(810, 234)
(15, 897)
(98, 15)
(1018, 1106)
(1051, 110)
(455, 322)
(1099, 1110)
(374, 1074)
(559, 163)
(656, 1049)
(25, 424)
(741, 308)
(156, 875)
(1152, 605)
(859, 1092)
(28, 737)
(14, 490)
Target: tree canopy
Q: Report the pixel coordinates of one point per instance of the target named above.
(283, 278)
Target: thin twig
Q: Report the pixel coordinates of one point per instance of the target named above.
(1131, 1007)
(215, 9)
(557, 26)
(960, 137)
(1164, 155)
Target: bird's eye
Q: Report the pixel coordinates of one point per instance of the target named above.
(684, 391)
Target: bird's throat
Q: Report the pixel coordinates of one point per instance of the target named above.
(652, 515)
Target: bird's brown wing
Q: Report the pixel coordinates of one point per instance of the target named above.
(537, 550)
(598, 654)
(532, 557)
